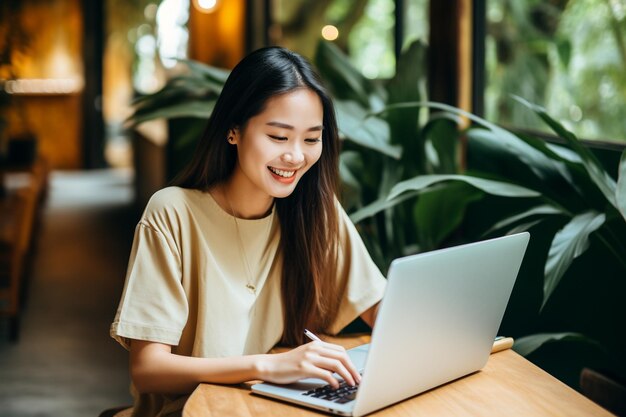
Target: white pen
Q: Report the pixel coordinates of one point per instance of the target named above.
(311, 336)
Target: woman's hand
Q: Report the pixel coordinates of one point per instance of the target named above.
(313, 360)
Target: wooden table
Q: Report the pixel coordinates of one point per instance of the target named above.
(507, 385)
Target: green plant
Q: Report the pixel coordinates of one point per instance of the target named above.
(560, 192)
(186, 101)
(565, 197)
(382, 148)
(566, 181)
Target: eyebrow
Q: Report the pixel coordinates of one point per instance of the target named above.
(286, 126)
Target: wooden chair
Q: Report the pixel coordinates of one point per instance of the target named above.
(19, 215)
(14, 214)
(604, 390)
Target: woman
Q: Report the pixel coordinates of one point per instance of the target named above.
(249, 248)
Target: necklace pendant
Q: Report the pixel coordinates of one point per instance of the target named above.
(251, 288)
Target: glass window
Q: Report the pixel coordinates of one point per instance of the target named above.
(415, 21)
(371, 40)
(568, 56)
(364, 29)
(143, 40)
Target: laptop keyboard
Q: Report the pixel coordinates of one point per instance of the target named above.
(344, 394)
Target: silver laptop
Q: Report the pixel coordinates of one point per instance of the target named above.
(436, 323)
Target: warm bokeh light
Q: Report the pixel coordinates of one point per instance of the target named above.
(43, 86)
(172, 34)
(330, 32)
(205, 6)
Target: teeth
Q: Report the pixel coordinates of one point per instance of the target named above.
(284, 174)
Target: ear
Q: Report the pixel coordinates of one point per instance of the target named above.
(234, 135)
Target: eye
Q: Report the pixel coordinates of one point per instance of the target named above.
(313, 140)
(281, 138)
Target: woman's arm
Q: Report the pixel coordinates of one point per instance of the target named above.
(155, 369)
(369, 316)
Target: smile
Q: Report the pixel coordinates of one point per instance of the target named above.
(282, 173)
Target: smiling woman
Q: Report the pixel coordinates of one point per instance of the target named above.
(276, 148)
(248, 248)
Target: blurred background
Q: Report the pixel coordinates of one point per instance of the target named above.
(102, 102)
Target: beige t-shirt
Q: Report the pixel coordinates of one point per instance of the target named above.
(186, 283)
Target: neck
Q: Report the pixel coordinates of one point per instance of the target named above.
(242, 202)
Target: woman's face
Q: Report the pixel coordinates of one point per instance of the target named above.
(279, 145)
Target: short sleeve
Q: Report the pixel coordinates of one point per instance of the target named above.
(154, 305)
(365, 285)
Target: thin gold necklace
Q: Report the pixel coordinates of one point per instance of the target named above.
(250, 285)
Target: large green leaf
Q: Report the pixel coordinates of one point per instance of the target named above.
(441, 145)
(165, 98)
(187, 139)
(498, 188)
(197, 85)
(565, 182)
(564, 49)
(200, 109)
(379, 205)
(540, 210)
(538, 159)
(215, 74)
(523, 227)
(440, 211)
(407, 86)
(620, 194)
(596, 171)
(395, 221)
(528, 344)
(569, 243)
(348, 160)
(533, 152)
(170, 93)
(544, 160)
(345, 80)
(182, 96)
(372, 243)
(179, 88)
(370, 132)
(350, 185)
(389, 175)
(565, 153)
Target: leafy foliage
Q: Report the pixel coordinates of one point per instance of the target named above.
(552, 53)
(385, 143)
(190, 95)
(527, 345)
(561, 181)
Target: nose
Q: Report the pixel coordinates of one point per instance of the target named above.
(293, 155)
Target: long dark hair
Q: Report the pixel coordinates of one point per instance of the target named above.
(308, 217)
